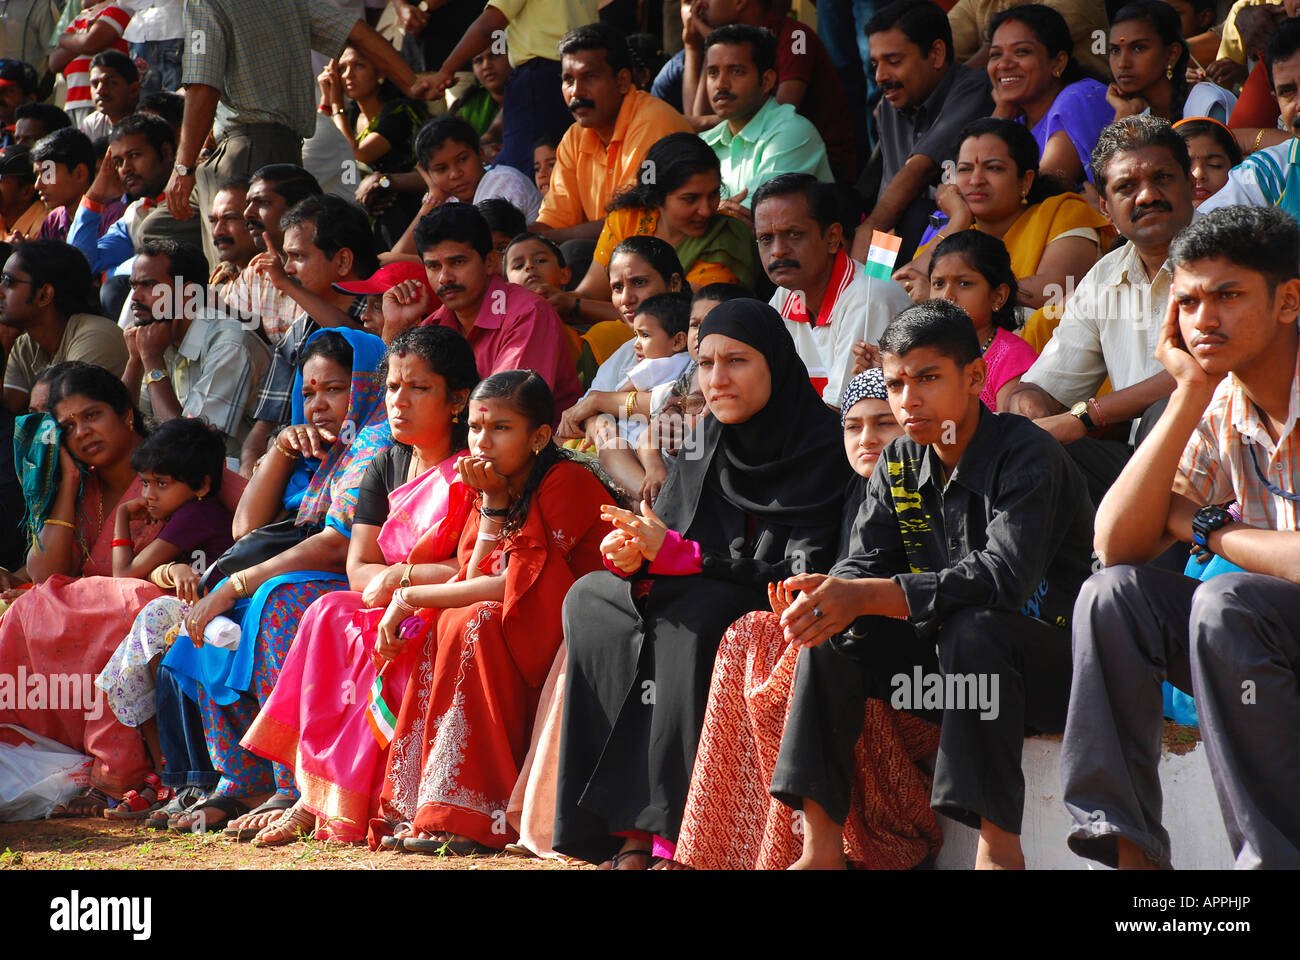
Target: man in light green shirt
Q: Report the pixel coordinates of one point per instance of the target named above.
(758, 138)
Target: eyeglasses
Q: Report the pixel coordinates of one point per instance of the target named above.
(9, 281)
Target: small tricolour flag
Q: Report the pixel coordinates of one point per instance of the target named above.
(381, 720)
(884, 251)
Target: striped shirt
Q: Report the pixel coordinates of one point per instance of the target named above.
(77, 72)
(1216, 463)
(258, 54)
(1267, 178)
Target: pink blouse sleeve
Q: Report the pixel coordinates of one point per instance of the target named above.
(677, 557)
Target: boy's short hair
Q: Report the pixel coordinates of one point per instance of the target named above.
(460, 222)
(721, 292)
(169, 106)
(68, 146)
(1260, 239)
(184, 449)
(435, 133)
(49, 116)
(940, 324)
(762, 43)
(185, 261)
(152, 127)
(671, 310)
(502, 216)
(118, 62)
(547, 242)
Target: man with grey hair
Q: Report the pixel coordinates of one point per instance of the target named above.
(1110, 324)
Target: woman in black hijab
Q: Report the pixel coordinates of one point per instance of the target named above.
(756, 498)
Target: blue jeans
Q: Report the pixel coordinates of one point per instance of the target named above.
(164, 64)
(842, 26)
(180, 735)
(533, 106)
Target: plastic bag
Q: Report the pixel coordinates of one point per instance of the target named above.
(37, 773)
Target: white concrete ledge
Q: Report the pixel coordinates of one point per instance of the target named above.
(1191, 815)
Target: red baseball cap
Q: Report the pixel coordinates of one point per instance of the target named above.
(387, 277)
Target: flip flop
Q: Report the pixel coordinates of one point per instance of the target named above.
(279, 802)
(463, 847)
(394, 842)
(230, 807)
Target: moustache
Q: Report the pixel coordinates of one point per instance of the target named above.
(449, 288)
(786, 264)
(223, 242)
(579, 103)
(254, 225)
(890, 85)
(723, 95)
(1151, 208)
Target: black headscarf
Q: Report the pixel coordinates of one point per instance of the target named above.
(784, 467)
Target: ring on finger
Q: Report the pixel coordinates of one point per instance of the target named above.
(817, 613)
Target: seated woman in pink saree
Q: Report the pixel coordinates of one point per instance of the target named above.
(67, 626)
(463, 729)
(411, 508)
(730, 821)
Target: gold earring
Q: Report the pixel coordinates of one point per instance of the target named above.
(1024, 199)
(1169, 72)
(455, 416)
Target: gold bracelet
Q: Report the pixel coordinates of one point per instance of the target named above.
(1259, 138)
(59, 523)
(291, 454)
(162, 577)
(631, 404)
(239, 583)
(337, 111)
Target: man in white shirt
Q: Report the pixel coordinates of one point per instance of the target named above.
(1111, 325)
(827, 300)
(184, 359)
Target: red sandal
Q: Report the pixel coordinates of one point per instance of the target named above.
(134, 806)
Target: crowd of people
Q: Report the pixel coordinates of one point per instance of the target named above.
(535, 428)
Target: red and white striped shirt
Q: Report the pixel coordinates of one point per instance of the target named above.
(77, 72)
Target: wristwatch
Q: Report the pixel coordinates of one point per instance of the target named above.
(406, 576)
(385, 182)
(1207, 520)
(156, 375)
(183, 170)
(1080, 410)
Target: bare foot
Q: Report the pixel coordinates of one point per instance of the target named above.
(998, 849)
(665, 864)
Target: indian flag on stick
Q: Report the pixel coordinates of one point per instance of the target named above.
(382, 722)
(884, 251)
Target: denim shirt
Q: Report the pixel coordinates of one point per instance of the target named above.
(1011, 530)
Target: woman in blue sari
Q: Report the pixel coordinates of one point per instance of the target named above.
(338, 426)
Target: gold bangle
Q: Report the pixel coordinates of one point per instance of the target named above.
(406, 576)
(631, 404)
(1259, 138)
(291, 454)
(239, 583)
(162, 576)
(59, 523)
(337, 111)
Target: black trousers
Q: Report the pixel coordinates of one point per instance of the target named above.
(1024, 662)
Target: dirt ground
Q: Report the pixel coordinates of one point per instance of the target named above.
(87, 844)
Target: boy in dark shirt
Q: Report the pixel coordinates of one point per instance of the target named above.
(976, 537)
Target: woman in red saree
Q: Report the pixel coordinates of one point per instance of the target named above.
(60, 633)
(730, 821)
(463, 729)
(411, 509)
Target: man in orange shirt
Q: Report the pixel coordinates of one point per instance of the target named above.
(616, 124)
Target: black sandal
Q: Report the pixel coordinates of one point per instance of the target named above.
(615, 860)
(229, 807)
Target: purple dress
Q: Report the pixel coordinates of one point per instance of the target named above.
(1081, 110)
